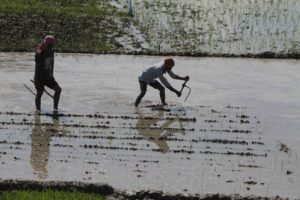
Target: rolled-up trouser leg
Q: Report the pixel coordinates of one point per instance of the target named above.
(39, 86)
(143, 86)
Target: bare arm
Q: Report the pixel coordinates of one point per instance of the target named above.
(168, 85)
(164, 81)
(175, 76)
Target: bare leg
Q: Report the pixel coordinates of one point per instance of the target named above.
(162, 96)
(139, 98)
(57, 93)
(143, 86)
(38, 99)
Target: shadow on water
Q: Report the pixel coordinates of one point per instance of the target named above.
(158, 135)
(40, 144)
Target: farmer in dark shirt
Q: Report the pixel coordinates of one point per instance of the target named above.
(44, 63)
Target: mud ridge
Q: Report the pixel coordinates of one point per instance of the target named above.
(264, 55)
(100, 116)
(134, 149)
(137, 138)
(229, 153)
(113, 194)
(249, 166)
(94, 126)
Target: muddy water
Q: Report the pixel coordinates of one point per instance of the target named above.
(238, 132)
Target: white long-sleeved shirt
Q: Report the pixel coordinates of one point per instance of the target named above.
(156, 71)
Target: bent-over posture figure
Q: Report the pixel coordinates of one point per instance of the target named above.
(157, 71)
(43, 76)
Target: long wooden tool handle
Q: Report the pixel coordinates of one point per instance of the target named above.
(28, 88)
(50, 95)
(183, 85)
(188, 93)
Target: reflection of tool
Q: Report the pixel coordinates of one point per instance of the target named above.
(44, 90)
(183, 86)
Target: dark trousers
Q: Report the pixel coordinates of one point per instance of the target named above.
(156, 85)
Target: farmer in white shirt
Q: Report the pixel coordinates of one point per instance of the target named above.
(157, 71)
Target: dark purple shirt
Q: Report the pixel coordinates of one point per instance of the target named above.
(44, 64)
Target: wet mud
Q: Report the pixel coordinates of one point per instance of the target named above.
(138, 140)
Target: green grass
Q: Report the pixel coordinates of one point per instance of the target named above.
(48, 195)
(75, 8)
(78, 26)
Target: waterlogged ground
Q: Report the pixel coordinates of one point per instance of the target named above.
(218, 27)
(238, 132)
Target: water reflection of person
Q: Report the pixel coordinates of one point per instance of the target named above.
(40, 145)
(158, 136)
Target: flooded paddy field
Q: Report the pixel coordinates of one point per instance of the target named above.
(237, 133)
(227, 27)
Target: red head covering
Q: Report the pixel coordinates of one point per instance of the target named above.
(47, 42)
